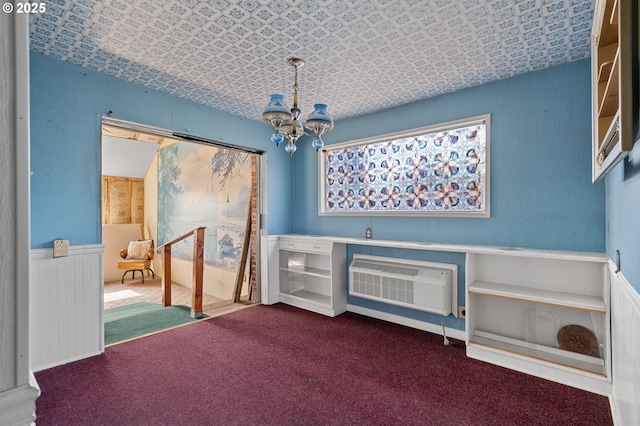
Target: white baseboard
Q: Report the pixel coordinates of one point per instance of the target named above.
(18, 405)
(409, 322)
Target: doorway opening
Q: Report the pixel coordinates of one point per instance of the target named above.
(157, 186)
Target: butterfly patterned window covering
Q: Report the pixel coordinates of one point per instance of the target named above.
(440, 171)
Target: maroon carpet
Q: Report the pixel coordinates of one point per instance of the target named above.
(278, 365)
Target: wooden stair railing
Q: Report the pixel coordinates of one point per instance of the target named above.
(198, 270)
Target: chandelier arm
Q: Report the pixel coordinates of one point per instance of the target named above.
(286, 123)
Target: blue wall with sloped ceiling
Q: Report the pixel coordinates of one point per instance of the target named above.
(67, 105)
(540, 166)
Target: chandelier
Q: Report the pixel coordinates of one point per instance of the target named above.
(286, 122)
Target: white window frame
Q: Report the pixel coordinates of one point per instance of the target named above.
(465, 122)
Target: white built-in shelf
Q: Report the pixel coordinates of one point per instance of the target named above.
(314, 272)
(321, 299)
(536, 295)
(614, 64)
(517, 306)
(517, 299)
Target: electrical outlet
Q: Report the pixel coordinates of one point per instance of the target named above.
(60, 248)
(462, 312)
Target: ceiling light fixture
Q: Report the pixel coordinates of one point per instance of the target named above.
(286, 122)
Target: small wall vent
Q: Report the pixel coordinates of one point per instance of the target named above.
(425, 286)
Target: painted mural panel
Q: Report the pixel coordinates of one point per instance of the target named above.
(202, 185)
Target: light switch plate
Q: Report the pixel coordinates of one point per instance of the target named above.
(60, 248)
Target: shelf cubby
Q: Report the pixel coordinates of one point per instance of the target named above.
(518, 307)
(560, 357)
(615, 75)
(311, 275)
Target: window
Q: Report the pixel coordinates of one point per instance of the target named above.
(439, 170)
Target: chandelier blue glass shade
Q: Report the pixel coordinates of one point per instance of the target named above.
(286, 122)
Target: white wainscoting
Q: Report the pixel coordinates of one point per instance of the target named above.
(66, 313)
(625, 336)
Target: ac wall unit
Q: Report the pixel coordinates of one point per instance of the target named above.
(425, 286)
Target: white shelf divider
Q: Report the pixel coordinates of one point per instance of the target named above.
(321, 299)
(530, 294)
(314, 272)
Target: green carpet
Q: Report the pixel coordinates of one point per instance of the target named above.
(138, 319)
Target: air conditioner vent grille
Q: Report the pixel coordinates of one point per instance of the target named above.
(414, 284)
(389, 288)
(386, 267)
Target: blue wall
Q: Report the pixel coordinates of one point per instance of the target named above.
(623, 218)
(541, 190)
(67, 104)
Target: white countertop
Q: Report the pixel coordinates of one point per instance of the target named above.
(456, 248)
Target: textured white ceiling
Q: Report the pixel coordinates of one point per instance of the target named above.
(361, 55)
